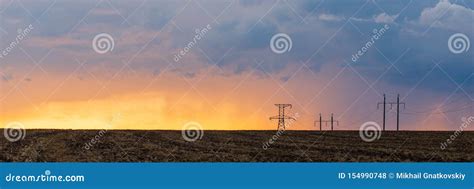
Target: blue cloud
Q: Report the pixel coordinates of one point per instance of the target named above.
(240, 38)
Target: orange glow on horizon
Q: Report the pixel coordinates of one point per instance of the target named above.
(148, 111)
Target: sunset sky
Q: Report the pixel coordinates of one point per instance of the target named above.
(231, 79)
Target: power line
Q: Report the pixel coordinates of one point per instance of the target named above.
(440, 112)
(361, 119)
(321, 121)
(427, 111)
(384, 103)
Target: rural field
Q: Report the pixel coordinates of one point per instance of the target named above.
(235, 146)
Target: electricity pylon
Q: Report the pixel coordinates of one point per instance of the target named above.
(384, 103)
(321, 121)
(281, 115)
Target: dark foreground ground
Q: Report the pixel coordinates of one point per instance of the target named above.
(235, 146)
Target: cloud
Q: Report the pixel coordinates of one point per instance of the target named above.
(382, 18)
(447, 15)
(385, 18)
(330, 17)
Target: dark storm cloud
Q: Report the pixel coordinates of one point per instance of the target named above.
(241, 36)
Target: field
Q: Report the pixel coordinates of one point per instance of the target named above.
(234, 146)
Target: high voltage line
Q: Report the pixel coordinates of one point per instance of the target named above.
(321, 121)
(282, 116)
(384, 103)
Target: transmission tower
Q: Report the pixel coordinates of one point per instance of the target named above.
(321, 121)
(384, 103)
(281, 115)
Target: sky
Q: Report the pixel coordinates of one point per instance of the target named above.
(169, 63)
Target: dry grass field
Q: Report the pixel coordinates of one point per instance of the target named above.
(234, 146)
